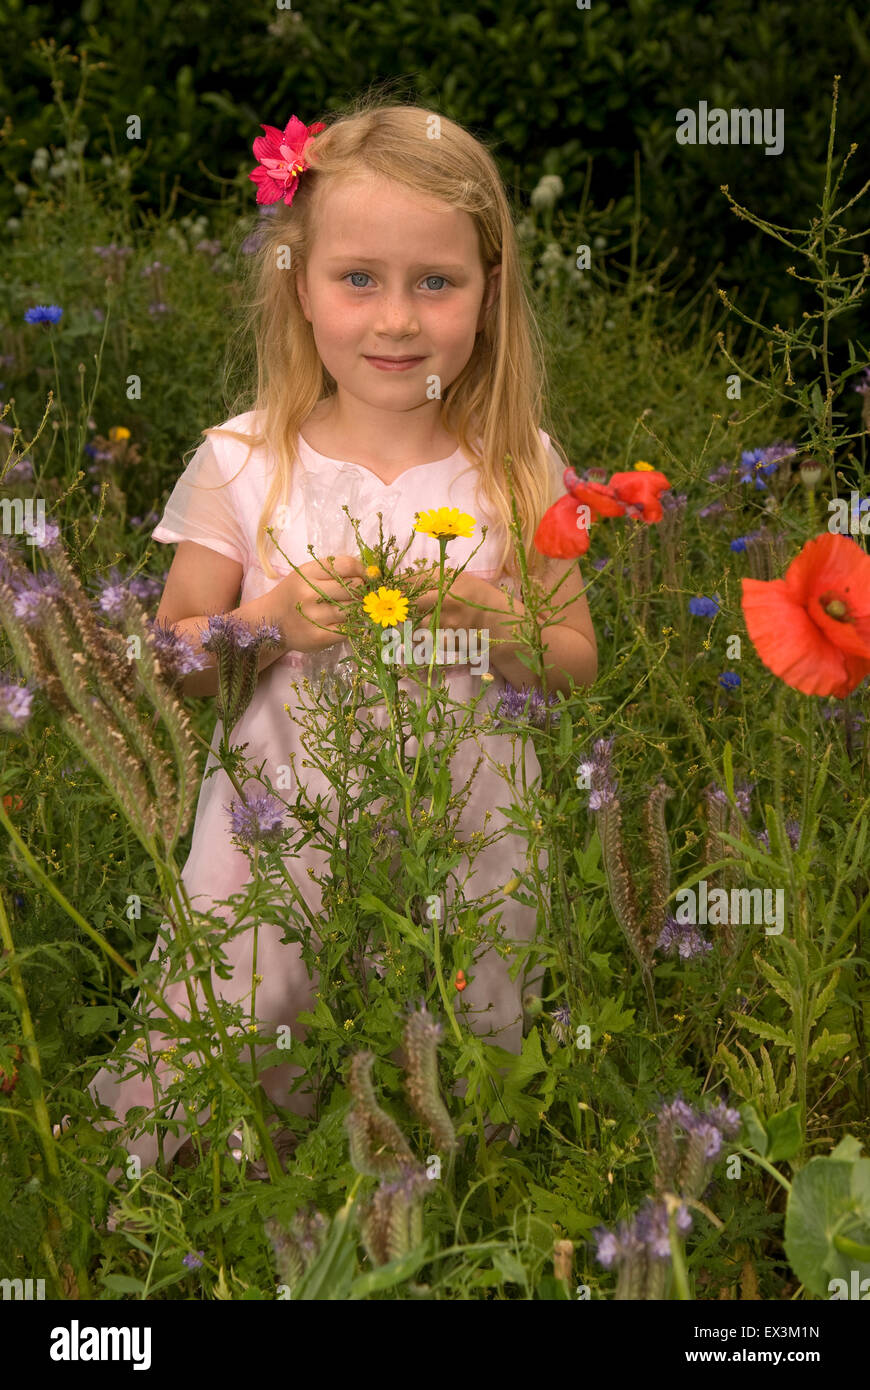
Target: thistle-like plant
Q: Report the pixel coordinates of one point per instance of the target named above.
(92, 675)
(391, 1223)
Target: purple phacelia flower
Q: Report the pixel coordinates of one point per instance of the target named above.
(526, 704)
(258, 820)
(21, 472)
(16, 704)
(719, 474)
(175, 655)
(689, 942)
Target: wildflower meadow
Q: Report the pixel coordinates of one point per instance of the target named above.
(686, 1119)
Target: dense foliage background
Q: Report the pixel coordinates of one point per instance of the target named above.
(550, 85)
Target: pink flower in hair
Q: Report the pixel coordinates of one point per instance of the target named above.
(282, 159)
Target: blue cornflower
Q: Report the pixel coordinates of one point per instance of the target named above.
(739, 543)
(703, 607)
(43, 313)
(729, 680)
(753, 462)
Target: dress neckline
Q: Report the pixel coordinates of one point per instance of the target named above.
(345, 463)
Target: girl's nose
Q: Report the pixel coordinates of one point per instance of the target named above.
(397, 315)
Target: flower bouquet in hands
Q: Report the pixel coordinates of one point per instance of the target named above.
(332, 530)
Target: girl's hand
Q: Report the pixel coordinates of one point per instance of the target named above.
(456, 606)
(304, 631)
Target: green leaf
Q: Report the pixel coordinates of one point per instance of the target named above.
(529, 1063)
(768, 1031)
(776, 981)
(389, 1275)
(848, 1149)
(613, 1018)
(820, 1204)
(827, 1043)
(509, 1268)
(92, 1018)
(121, 1283)
(756, 1134)
(784, 1134)
(370, 902)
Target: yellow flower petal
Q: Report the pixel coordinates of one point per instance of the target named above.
(445, 521)
(643, 467)
(118, 432)
(387, 607)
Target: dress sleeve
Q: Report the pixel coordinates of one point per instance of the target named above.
(203, 507)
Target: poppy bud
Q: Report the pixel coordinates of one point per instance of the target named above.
(460, 980)
(811, 472)
(533, 1004)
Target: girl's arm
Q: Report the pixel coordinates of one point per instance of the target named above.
(307, 608)
(202, 582)
(570, 648)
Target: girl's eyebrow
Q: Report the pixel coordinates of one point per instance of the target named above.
(421, 265)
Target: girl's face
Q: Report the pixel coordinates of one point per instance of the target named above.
(391, 275)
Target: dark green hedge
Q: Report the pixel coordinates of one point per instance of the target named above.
(548, 83)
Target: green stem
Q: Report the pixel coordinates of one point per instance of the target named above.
(40, 1107)
(763, 1163)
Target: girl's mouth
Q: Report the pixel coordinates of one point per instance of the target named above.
(394, 364)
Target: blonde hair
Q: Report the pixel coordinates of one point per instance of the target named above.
(494, 405)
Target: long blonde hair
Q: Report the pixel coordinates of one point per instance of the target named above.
(496, 400)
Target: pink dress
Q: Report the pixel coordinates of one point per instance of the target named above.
(225, 520)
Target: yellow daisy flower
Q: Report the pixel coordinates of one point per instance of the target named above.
(118, 432)
(387, 607)
(373, 571)
(444, 521)
(643, 467)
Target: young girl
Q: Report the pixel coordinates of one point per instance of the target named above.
(398, 363)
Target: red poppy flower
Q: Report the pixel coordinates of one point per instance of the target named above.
(600, 497)
(460, 980)
(564, 530)
(10, 803)
(642, 489)
(812, 628)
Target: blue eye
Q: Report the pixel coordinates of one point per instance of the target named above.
(365, 275)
